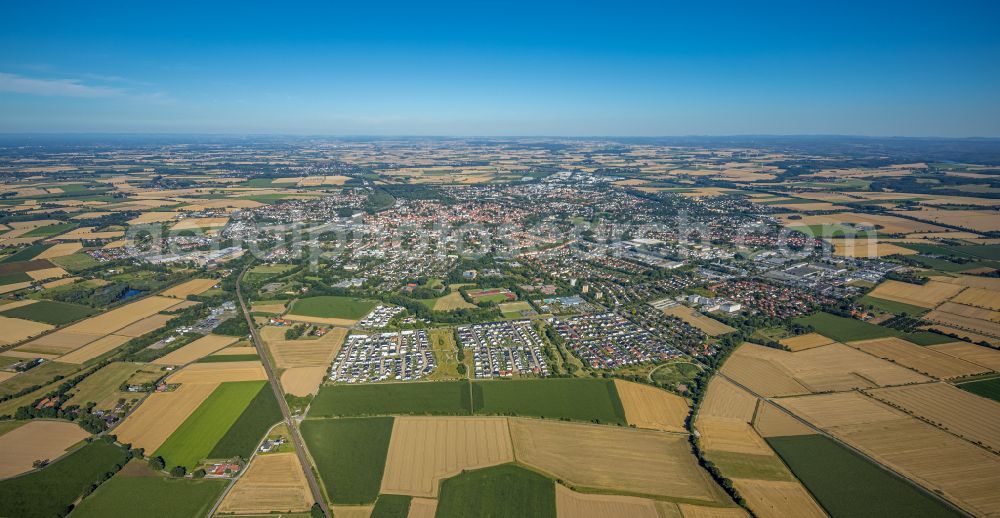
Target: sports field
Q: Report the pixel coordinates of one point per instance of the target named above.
(350, 455)
(499, 491)
(156, 496)
(193, 440)
(441, 398)
(558, 398)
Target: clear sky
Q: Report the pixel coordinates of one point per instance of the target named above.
(502, 68)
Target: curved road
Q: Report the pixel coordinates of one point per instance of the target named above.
(293, 430)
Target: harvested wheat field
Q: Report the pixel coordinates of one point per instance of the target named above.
(920, 359)
(60, 250)
(303, 381)
(425, 450)
(762, 376)
(976, 220)
(160, 414)
(728, 401)
(236, 350)
(193, 223)
(152, 217)
(976, 325)
(303, 353)
(146, 325)
(925, 296)
(771, 421)
(276, 309)
(120, 317)
(962, 334)
(273, 482)
(192, 287)
(778, 499)
(351, 511)
(17, 329)
(963, 413)
(196, 350)
(320, 320)
(867, 248)
(650, 407)
(422, 508)
(965, 474)
(985, 356)
(979, 297)
(969, 311)
(972, 281)
(806, 341)
(36, 440)
(47, 273)
(700, 511)
(95, 349)
(708, 325)
(59, 342)
(620, 459)
(570, 504)
(730, 435)
(889, 224)
(215, 373)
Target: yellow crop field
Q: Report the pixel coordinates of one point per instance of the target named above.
(700, 511)
(302, 381)
(979, 297)
(771, 421)
(888, 224)
(650, 407)
(59, 342)
(89, 233)
(17, 329)
(60, 250)
(925, 296)
(146, 325)
(160, 414)
(351, 511)
(422, 508)
(451, 301)
(921, 359)
(708, 325)
(425, 450)
(963, 473)
(977, 220)
(95, 349)
(985, 356)
(192, 287)
(152, 217)
(986, 283)
(778, 499)
(120, 317)
(320, 320)
(867, 248)
(764, 377)
(726, 400)
(975, 325)
(273, 482)
(570, 504)
(730, 435)
(196, 350)
(36, 440)
(235, 350)
(47, 273)
(193, 223)
(277, 309)
(303, 353)
(215, 373)
(806, 341)
(621, 459)
(970, 311)
(968, 415)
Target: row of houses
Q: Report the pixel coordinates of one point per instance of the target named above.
(504, 349)
(366, 358)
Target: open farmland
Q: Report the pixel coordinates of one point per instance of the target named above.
(920, 359)
(49, 312)
(650, 407)
(16, 329)
(708, 325)
(778, 499)
(610, 458)
(977, 354)
(806, 341)
(771, 421)
(249, 428)
(499, 491)
(303, 353)
(850, 330)
(195, 438)
(577, 399)
(332, 308)
(728, 401)
(966, 415)
(923, 295)
(979, 297)
(961, 472)
(987, 388)
(446, 397)
(95, 349)
(102, 386)
(272, 482)
(192, 287)
(570, 504)
(160, 414)
(197, 349)
(349, 455)
(197, 373)
(157, 496)
(425, 450)
(36, 440)
(302, 381)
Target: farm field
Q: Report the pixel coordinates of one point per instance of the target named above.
(445, 398)
(926, 295)
(777, 498)
(144, 326)
(350, 455)
(271, 483)
(806, 341)
(425, 450)
(499, 491)
(891, 306)
(577, 399)
(450, 302)
(771, 421)
(346, 309)
(989, 388)
(219, 372)
(94, 349)
(102, 386)
(937, 460)
(40, 375)
(967, 415)
(650, 407)
(977, 354)
(848, 485)
(708, 325)
(397, 506)
(49, 312)
(850, 330)
(303, 353)
(610, 458)
(570, 504)
(195, 438)
(49, 491)
(160, 414)
(727, 401)
(979, 297)
(36, 440)
(302, 381)
(157, 496)
(197, 349)
(921, 359)
(249, 428)
(191, 287)
(16, 329)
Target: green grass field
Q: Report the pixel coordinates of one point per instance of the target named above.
(75, 262)
(558, 398)
(272, 269)
(13, 278)
(101, 386)
(848, 485)
(347, 308)
(437, 398)
(391, 506)
(50, 312)
(248, 430)
(153, 497)
(892, 306)
(986, 388)
(25, 254)
(223, 358)
(10, 425)
(50, 230)
(49, 492)
(497, 492)
(742, 465)
(828, 231)
(350, 455)
(848, 330)
(40, 375)
(198, 435)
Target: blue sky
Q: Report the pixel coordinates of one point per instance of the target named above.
(506, 68)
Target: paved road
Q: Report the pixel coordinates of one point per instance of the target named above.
(300, 447)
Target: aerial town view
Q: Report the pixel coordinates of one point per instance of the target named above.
(226, 291)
